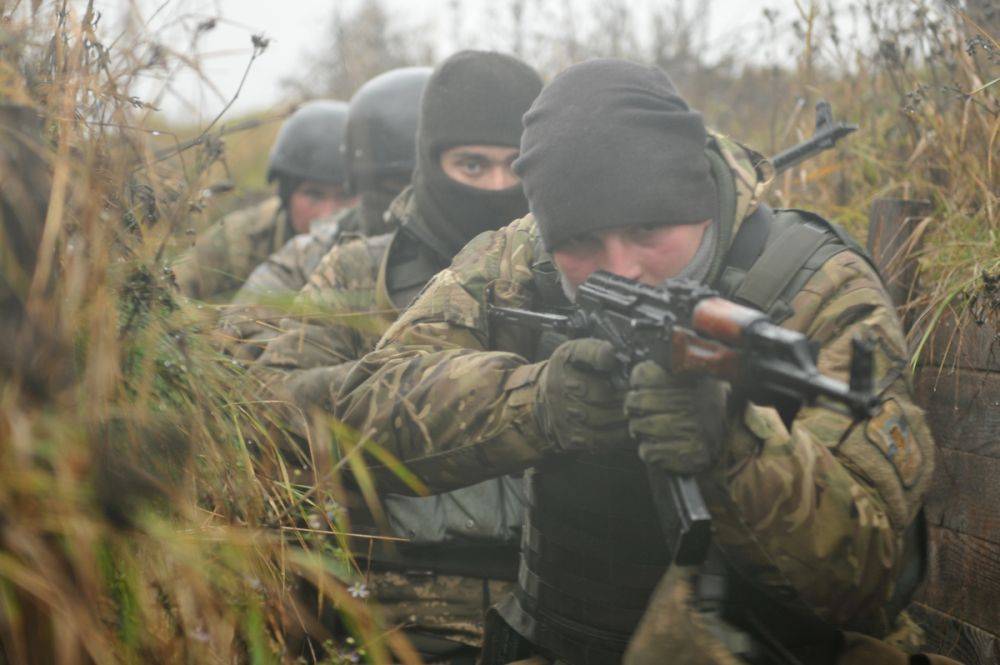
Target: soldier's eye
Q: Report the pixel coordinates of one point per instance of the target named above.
(581, 245)
(472, 166)
(643, 232)
(313, 193)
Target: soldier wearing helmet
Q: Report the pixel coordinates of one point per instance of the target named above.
(307, 165)
(379, 142)
(379, 154)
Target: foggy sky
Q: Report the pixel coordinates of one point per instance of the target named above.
(296, 28)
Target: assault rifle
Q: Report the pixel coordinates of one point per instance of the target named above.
(825, 136)
(688, 328)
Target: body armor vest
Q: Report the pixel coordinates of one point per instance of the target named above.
(592, 549)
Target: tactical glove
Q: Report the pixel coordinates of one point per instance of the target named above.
(678, 422)
(577, 404)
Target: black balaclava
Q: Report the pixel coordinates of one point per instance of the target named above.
(473, 98)
(609, 144)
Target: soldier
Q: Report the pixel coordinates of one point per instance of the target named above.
(307, 164)
(379, 142)
(815, 515)
(463, 544)
(380, 155)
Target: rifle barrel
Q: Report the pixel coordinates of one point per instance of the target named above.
(800, 152)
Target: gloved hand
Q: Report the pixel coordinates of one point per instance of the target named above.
(577, 403)
(678, 422)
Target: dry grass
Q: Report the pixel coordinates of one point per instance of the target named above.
(922, 80)
(148, 509)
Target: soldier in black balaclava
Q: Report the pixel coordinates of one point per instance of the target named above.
(469, 133)
(460, 553)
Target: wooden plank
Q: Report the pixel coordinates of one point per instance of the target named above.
(893, 241)
(956, 639)
(963, 579)
(973, 346)
(963, 409)
(965, 496)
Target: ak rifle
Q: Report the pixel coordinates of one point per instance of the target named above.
(825, 136)
(690, 329)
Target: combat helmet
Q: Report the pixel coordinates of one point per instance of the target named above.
(308, 144)
(381, 130)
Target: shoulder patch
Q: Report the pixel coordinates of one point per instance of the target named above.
(890, 431)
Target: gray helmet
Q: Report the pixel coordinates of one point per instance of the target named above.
(382, 126)
(308, 144)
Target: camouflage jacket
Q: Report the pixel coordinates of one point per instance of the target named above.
(344, 309)
(265, 298)
(814, 511)
(224, 255)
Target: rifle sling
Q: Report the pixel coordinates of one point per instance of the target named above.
(749, 242)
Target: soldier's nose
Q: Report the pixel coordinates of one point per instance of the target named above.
(620, 256)
(500, 178)
(505, 178)
(326, 207)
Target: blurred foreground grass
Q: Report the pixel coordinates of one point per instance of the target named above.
(148, 510)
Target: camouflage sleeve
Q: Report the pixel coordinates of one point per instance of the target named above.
(433, 395)
(817, 510)
(258, 310)
(339, 318)
(224, 254)
(252, 319)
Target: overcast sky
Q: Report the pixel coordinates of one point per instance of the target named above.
(296, 27)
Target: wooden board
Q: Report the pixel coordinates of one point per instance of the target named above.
(963, 409)
(893, 241)
(975, 347)
(963, 579)
(966, 495)
(950, 637)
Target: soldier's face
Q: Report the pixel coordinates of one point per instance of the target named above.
(648, 254)
(481, 166)
(312, 200)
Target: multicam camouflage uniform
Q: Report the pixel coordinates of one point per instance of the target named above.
(225, 254)
(346, 302)
(253, 316)
(351, 299)
(813, 512)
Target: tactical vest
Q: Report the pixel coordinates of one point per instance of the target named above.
(592, 548)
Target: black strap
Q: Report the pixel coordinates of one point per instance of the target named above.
(501, 643)
(412, 264)
(495, 562)
(914, 565)
(749, 242)
(745, 249)
(789, 636)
